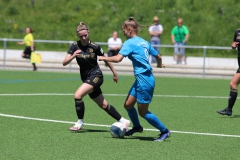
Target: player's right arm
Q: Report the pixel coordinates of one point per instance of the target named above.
(234, 45)
(236, 39)
(69, 57)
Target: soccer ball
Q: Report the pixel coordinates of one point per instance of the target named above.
(117, 130)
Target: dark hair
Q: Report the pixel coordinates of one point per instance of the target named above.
(31, 30)
(136, 27)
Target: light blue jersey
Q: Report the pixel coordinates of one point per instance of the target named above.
(138, 51)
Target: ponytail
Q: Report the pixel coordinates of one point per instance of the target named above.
(132, 22)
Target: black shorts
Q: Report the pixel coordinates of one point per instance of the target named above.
(112, 53)
(27, 52)
(96, 82)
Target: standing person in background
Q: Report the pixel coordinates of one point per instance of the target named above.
(155, 32)
(180, 36)
(29, 43)
(235, 80)
(138, 51)
(114, 44)
(86, 52)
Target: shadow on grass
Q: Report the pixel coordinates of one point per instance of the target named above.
(89, 130)
(234, 116)
(151, 139)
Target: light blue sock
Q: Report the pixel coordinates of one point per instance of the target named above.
(154, 121)
(133, 115)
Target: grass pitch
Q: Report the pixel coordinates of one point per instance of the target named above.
(37, 109)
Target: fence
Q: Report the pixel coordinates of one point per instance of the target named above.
(204, 48)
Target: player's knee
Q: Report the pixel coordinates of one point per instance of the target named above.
(233, 85)
(103, 105)
(77, 97)
(142, 114)
(126, 106)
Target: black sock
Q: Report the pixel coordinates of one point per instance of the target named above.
(113, 112)
(79, 104)
(232, 98)
(34, 66)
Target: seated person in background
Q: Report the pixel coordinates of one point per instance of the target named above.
(114, 44)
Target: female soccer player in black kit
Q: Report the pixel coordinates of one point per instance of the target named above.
(85, 51)
(235, 80)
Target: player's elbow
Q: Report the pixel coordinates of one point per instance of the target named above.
(118, 60)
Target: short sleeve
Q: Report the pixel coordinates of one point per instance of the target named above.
(173, 30)
(72, 49)
(31, 38)
(99, 51)
(152, 51)
(126, 49)
(186, 31)
(235, 36)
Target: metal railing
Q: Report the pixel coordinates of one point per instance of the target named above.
(204, 48)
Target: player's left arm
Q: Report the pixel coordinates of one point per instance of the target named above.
(187, 34)
(32, 46)
(109, 64)
(159, 61)
(101, 57)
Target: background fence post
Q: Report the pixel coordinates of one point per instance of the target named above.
(70, 64)
(4, 52)
(204, 60)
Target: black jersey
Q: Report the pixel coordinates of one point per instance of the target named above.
(87, 59)
(236, 38)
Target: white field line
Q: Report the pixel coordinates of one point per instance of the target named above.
(100, 125)
(71, 94)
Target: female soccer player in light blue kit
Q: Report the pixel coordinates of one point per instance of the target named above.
(138, 50)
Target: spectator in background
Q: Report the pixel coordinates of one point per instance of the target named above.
(179, 35)
(155, 31)
(29, 42)
(114, 44)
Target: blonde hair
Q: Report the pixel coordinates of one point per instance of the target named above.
(81, 26)
(132, 23)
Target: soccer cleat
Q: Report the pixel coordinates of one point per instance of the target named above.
(225, 111)
(134, 130)
(77, 127)
(163, 136)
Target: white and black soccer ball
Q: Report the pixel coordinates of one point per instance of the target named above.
(118, 130)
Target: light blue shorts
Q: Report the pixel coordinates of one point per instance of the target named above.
(143, 88)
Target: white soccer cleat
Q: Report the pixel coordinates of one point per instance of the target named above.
(77, 127)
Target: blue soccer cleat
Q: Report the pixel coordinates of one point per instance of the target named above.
(163, 136)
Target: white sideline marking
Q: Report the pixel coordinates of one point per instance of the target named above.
(71, 94)
(100, 125)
